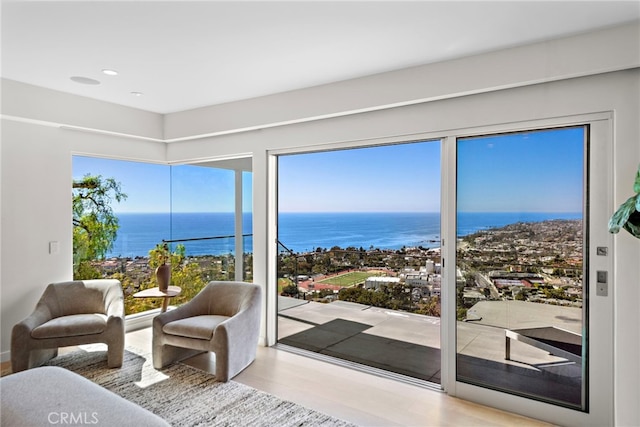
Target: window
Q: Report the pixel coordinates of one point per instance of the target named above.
(191, 208)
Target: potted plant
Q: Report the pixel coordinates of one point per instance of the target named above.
(628, 214)
(163, 271)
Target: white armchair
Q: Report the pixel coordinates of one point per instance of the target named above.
(71, 313)
(223, 318)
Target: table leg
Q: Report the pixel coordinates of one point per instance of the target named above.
(165, 303)
(507, 348)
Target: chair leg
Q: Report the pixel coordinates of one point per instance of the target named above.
(222, 366)
(115, 354)
(164, 355)
(22, 360)
(19, 360)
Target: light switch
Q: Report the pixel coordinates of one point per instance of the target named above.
(601, 276)
(602, 289)
(54, 248)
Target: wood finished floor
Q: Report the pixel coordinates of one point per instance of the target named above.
(361, 398)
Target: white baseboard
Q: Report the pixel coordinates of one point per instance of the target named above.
(133, 322)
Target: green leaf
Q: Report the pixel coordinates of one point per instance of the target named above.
(633, 224)
(628, 214)
(621, 216)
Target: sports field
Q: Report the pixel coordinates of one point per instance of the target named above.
(349, 279)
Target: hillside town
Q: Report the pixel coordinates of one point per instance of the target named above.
(539, 262)
(536, 262)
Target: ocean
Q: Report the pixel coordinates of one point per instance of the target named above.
(302, 232)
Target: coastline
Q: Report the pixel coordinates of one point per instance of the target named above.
(306, 232)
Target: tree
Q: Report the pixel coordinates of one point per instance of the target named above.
(431, 308)
(290, 291)
(95, 226)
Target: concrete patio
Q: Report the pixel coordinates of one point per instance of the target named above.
(409, 344)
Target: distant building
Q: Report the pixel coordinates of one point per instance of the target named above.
(435, 285)
(420, 280)
(375, 282)
(430, 266)
(472, 296)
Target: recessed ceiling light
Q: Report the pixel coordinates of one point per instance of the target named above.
(110, 72)
(136, 93)
(85, 80)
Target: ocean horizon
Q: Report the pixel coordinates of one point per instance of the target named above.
(304, 232)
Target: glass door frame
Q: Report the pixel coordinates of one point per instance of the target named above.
(600, 181)
(598, 173)
(372, 365)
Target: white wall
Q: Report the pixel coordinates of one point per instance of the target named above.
(50, 107)
(36, 197)
(36, 157)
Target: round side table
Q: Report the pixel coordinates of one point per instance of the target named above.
(172, 291)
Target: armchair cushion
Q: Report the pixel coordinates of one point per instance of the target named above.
(200, 327)
(72, 325)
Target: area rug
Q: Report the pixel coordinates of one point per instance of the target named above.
(186, 396)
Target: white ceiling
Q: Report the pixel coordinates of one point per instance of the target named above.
(183, 55)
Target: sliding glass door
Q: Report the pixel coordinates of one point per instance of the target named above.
(520, 272)
(532, 302)
(359, 272)
(521, 233)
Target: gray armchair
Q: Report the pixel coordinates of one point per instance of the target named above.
(223, 318)
(71, 313)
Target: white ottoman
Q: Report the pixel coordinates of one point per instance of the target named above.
(50, 395)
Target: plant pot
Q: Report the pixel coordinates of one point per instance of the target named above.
(163, 275)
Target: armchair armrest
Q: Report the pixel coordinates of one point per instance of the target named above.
(239, 325)
(113, 298)
(115, 307)
(171, 315)
(21, 357)
(235, 340)
(246, 322)
(243, 327)
(40, 315)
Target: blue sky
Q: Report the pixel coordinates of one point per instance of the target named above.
(396, 178)
(148, 186)
(528, 172)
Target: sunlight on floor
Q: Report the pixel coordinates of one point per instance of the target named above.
(148, 375)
